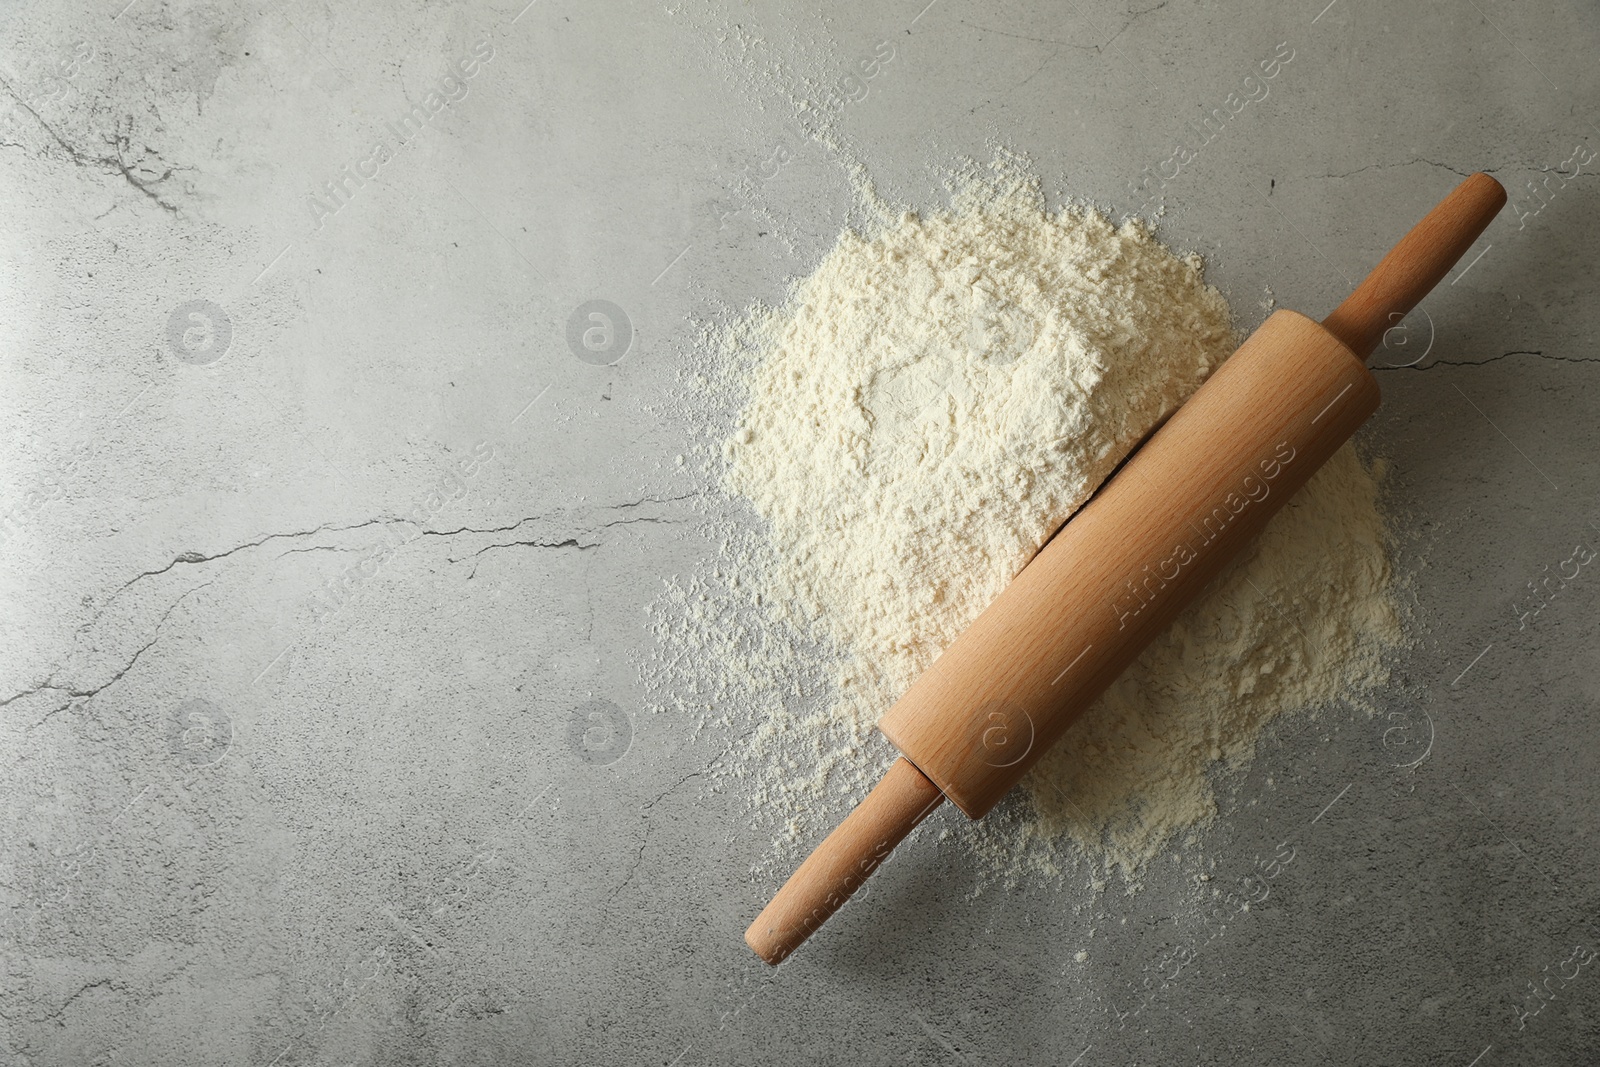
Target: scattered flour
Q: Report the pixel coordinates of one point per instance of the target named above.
(919, 416)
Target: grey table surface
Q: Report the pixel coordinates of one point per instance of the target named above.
(319, 532)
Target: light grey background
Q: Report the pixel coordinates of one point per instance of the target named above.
(291, 774)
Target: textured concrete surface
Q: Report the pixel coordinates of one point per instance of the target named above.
(329, 515)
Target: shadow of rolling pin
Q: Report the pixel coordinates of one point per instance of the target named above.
(1114, 577)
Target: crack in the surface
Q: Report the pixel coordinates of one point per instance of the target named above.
(1025, 37)
(1133, 16)
(201, 557)
(633, 868)
(540, 518)
(41, 687)
(1494, 359)
(571, 542)
(55, 1015)
(654, 500)
(121, 141)
(645, 840)
(1042, 64)
(74, 695)
(114, 164)
(1540, 168)
(649, 519)
(1403, 163)
(192, 558)
(314, 548)
(483, 529)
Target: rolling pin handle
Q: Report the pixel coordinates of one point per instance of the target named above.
(839, 866)
(1415, 265)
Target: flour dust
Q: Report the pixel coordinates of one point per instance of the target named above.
(912, 424)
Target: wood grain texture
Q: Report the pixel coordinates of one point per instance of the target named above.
(838, 866)
(1138, 553)
(1416, 264)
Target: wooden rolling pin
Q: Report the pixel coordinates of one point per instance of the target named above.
(1139, 552)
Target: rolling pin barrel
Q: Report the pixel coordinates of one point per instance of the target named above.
(1006, 690)
(1115, 576)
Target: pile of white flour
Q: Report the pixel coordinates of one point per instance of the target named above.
(927, 407)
